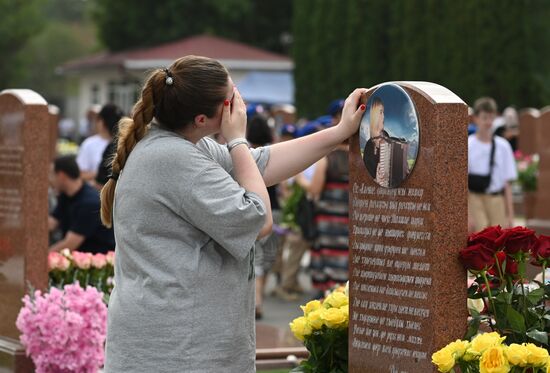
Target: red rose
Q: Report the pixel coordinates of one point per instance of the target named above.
(541, 251)
(511, 267)
(501, 257)
(488, 237)
(517, 239)
(477, 257)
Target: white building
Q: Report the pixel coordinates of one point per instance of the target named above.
(117, 77)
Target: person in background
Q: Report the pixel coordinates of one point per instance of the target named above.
(109, 116)
(288, 266)
(511, 133)
(328, 187)
(91, 149)
(493, 205)
(258, 135)
(77, 211)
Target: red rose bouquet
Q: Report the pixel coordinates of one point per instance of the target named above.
(515, 307)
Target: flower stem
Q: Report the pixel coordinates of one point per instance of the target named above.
(484, 275)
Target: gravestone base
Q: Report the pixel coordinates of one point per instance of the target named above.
(13, 358)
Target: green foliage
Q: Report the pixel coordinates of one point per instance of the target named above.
(123, 25)
(19, 21)
(492, 47)
(45, 51)
(515, 310)
(328, 350)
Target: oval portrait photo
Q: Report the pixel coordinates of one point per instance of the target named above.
(389, 136)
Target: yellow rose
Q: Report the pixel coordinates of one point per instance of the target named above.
(493, 360)
(300, 327)
(482, 342)
(314, 319)
(444, 360)
(458, 348)
(548, 366)
(537, 356)
(336, 300)
(311, 306)
(517, 354)
(333, 317)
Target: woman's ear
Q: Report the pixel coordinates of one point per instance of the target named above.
(200, 120)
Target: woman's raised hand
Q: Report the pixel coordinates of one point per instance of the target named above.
(352, 112)
(233, 123)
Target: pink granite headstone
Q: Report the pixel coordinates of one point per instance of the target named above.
(24, 166)
(408, 219)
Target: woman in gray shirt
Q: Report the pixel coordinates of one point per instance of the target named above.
(186, 212)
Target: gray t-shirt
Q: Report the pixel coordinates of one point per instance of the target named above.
(185, 232)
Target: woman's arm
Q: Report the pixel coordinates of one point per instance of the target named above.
(246, 171)
(289, 158)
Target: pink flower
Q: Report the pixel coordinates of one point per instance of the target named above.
(64, 330)
(99, 260)
(82, 260)
(53, 260)
(111, 258)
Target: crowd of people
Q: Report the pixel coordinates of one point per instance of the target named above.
(310, 210)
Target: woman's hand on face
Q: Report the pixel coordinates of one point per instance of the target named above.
(233, 124)
(352, 112)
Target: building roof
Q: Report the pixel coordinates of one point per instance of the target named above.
(231, 53)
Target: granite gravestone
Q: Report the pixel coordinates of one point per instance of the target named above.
(407, 287)
(54, 130)
(24, 166)
(541, 219)
(528, 131)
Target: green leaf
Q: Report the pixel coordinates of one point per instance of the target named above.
(473, 328)
(539, 336)
(516, 320)
(535, 296)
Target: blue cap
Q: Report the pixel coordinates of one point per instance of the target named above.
(335, 107)
(253, 109)
(289, 130)
(309, 128)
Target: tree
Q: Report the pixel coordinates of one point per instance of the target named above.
(492, 47)
(123, 25)
(19, 21)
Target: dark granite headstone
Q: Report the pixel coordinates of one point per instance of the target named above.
(24, 166)
(407, 287)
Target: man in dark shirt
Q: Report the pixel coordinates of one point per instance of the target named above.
(77, 211)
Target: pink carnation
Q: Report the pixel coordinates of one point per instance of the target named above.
(82, 260)
(99, 260)
(64, 330)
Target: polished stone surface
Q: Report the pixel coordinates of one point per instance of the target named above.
(407, 288)
(528, 131)
(24, 165)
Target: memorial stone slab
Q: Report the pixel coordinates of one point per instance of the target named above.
(407, 287)
(54, 129)
(24, 166)
(541, 219)
(528, 131)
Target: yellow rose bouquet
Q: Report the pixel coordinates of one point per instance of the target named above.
(324, 331)
(487, 353)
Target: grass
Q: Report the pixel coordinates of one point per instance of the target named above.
(274, 371)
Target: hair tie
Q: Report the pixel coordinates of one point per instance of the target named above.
(114, 176)
(169, 79)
